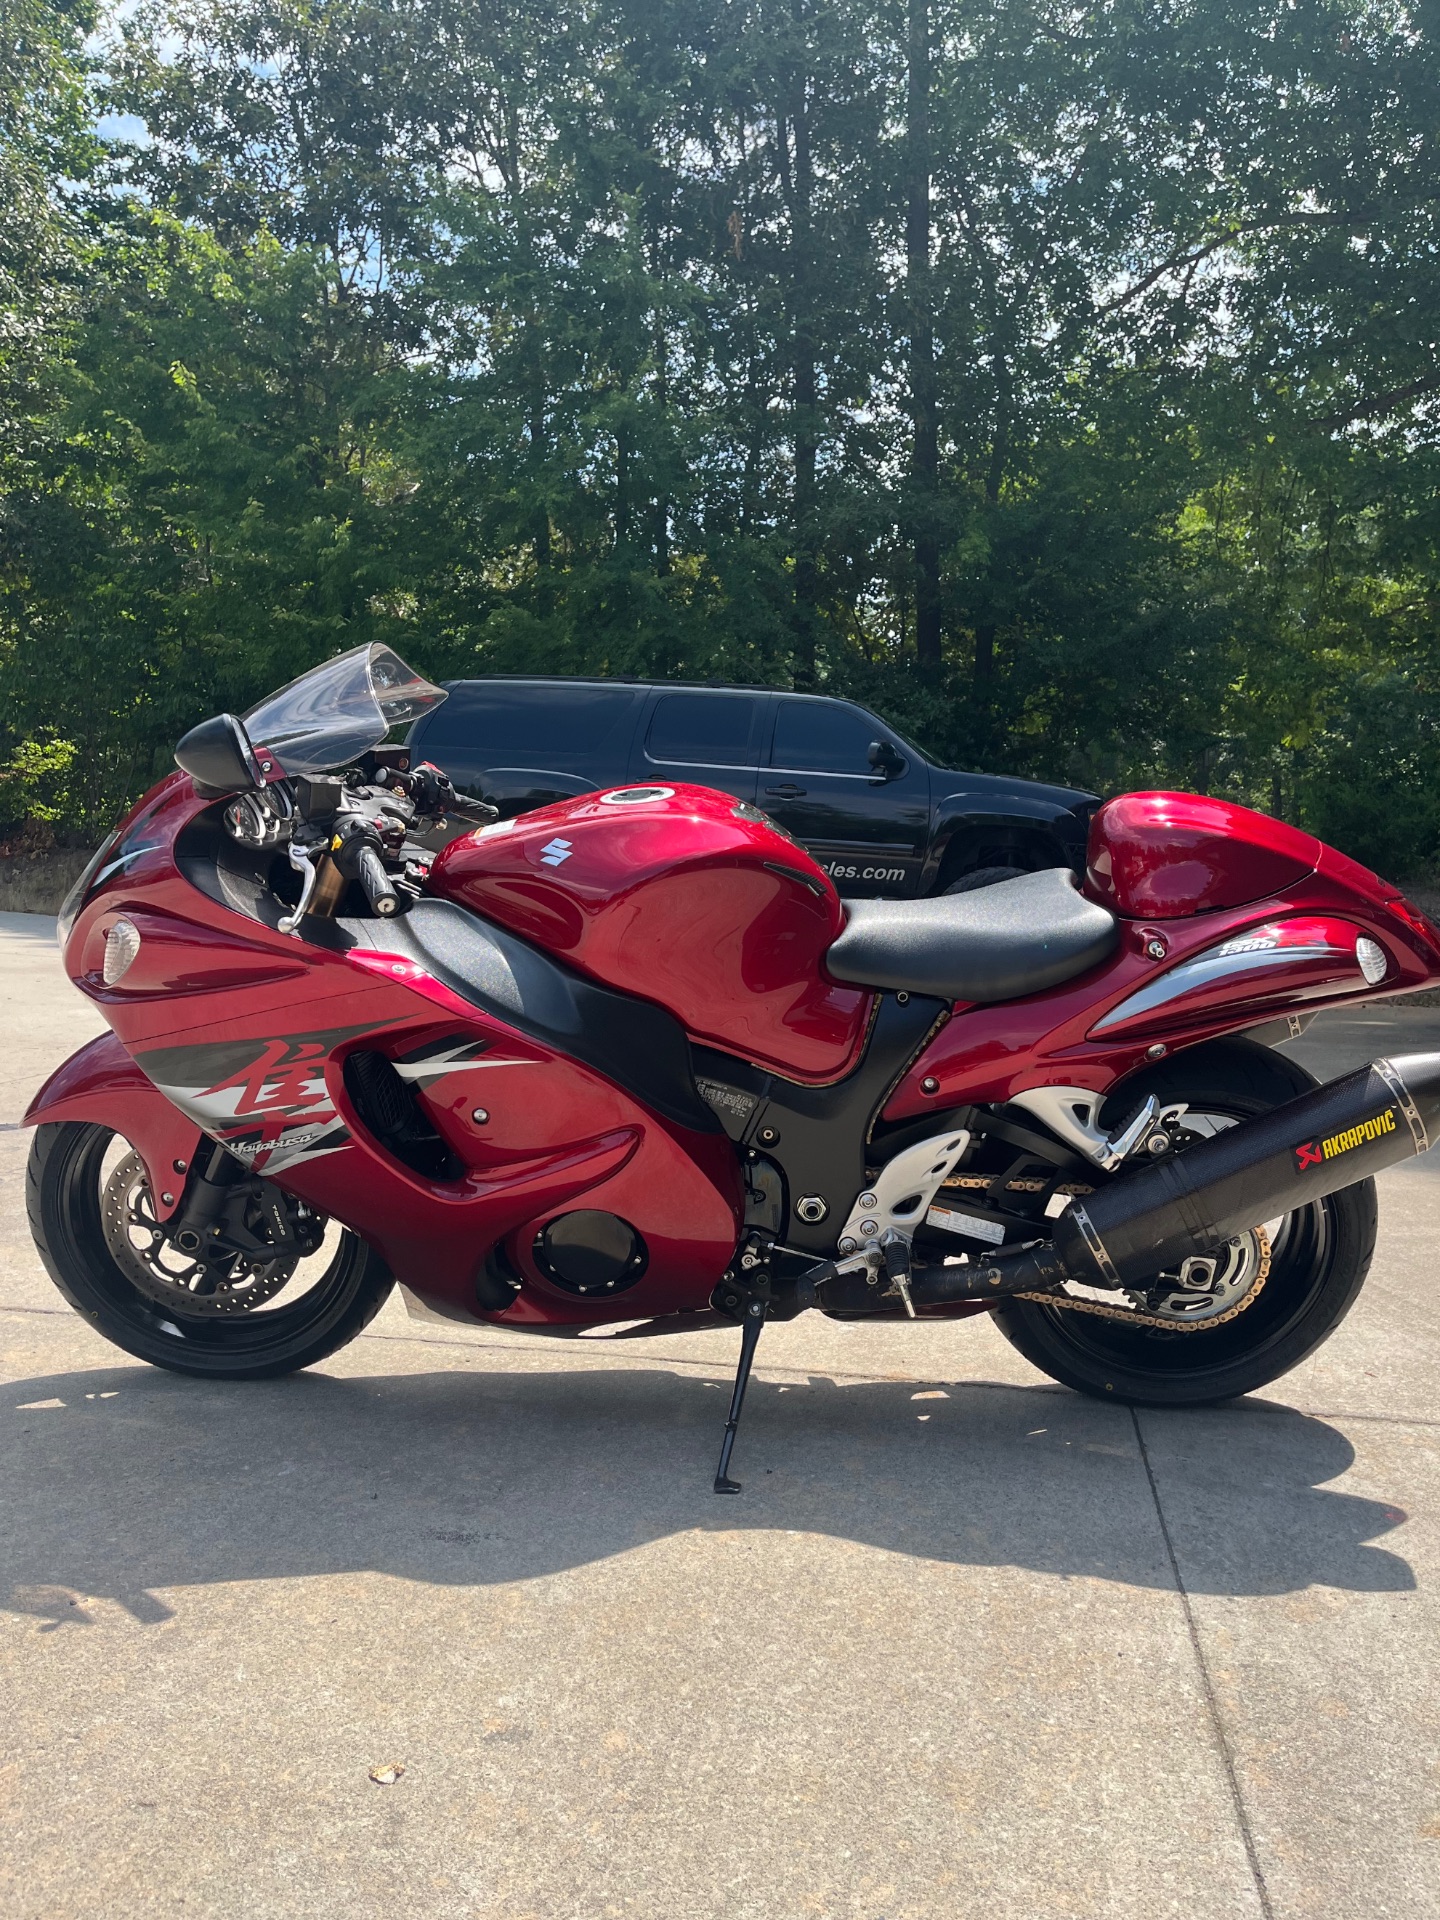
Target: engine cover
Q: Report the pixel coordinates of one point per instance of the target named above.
(590, 1252)
(683, 896)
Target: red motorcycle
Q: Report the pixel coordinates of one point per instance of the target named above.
(629, 1062)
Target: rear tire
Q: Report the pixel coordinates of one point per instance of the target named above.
(1321, 1256)
(65, 1182)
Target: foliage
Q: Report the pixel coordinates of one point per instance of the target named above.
(1061, 380)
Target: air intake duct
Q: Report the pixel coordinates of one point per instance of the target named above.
(1128, 1231)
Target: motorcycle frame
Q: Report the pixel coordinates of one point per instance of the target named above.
(248, 1031)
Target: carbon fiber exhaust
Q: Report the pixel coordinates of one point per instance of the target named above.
(1125, 1233)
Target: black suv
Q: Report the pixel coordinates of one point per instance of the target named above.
(875, 813)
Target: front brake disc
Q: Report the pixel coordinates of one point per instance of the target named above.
(156, 1267)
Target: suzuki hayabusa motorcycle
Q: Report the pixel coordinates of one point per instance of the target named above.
(628, 1062)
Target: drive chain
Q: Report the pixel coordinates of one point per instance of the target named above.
(1130, 1316)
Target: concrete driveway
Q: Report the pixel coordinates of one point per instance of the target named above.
(967, 1645)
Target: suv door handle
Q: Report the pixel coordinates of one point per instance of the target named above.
(788, 792)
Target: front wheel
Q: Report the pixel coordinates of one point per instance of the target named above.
(237, 1319)
(1318, 1257)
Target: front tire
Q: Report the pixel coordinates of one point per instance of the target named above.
(1320, 1258)
(74, 1173)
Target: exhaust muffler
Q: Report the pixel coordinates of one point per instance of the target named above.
(1125, 1233)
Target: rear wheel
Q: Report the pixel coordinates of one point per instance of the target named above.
(1318, 1257)
(94, 1225)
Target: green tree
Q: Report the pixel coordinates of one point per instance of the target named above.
(1060, 380)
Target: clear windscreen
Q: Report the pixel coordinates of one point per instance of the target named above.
(332, 715)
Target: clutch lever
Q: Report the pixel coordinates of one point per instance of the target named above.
(306, 861)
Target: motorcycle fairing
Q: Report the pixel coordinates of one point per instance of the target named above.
(629, 1040)
(1285, 961)
(268, 1100)
(1069, 1036)
(103, 1085)
(265, 1073)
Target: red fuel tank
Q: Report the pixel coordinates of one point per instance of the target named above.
(686, 897)
(1158, 856)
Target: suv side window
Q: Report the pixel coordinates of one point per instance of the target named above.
(702, 730)
(556, 725)
(811, 736)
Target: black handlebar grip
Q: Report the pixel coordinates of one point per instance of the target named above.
(370, 872)
(480, 812)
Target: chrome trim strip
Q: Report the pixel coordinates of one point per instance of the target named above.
(1395, 1080)
(1204, 970)
(1096, 1245)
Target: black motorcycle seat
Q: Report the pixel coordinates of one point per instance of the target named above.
(997, 943)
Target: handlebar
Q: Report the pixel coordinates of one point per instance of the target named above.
(356, 848)
(375, 882)
(479, 812)
(433, 792)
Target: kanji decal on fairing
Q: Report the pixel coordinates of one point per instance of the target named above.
(266, 1100)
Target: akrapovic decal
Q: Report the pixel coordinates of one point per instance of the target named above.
(1314, 1153)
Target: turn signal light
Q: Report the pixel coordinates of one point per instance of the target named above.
(122, 944)
(1373, 963)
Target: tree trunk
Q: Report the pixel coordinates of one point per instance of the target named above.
(622, 484)
(659, 348)
(985, 633)
(803, 377)
(924, 400)
(540, 538)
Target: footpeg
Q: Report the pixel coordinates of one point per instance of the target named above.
(895, 1257)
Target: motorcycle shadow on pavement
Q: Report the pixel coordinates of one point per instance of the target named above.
(123, 1482)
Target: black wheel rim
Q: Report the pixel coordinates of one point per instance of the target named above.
(253, 1335)
(1299, 1266)
(1302, 1249)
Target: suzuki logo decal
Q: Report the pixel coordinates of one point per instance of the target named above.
(556, 853)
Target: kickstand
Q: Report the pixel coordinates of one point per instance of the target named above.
(749, 1339)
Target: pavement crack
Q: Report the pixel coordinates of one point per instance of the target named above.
(1212, 1703)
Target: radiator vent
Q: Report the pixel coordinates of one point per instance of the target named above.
(390, 1110)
